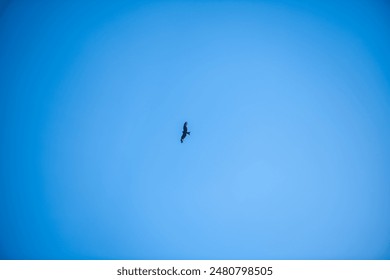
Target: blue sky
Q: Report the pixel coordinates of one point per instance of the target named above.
(288, 106)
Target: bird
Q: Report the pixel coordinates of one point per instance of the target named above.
(185, 132)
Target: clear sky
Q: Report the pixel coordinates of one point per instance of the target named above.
(289, 111)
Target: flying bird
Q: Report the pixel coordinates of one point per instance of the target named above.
(185, 132)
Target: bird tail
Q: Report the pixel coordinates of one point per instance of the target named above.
(188, 132)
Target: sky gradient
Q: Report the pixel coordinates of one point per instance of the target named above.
(289, 111)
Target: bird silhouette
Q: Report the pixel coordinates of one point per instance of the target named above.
(185, 132)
